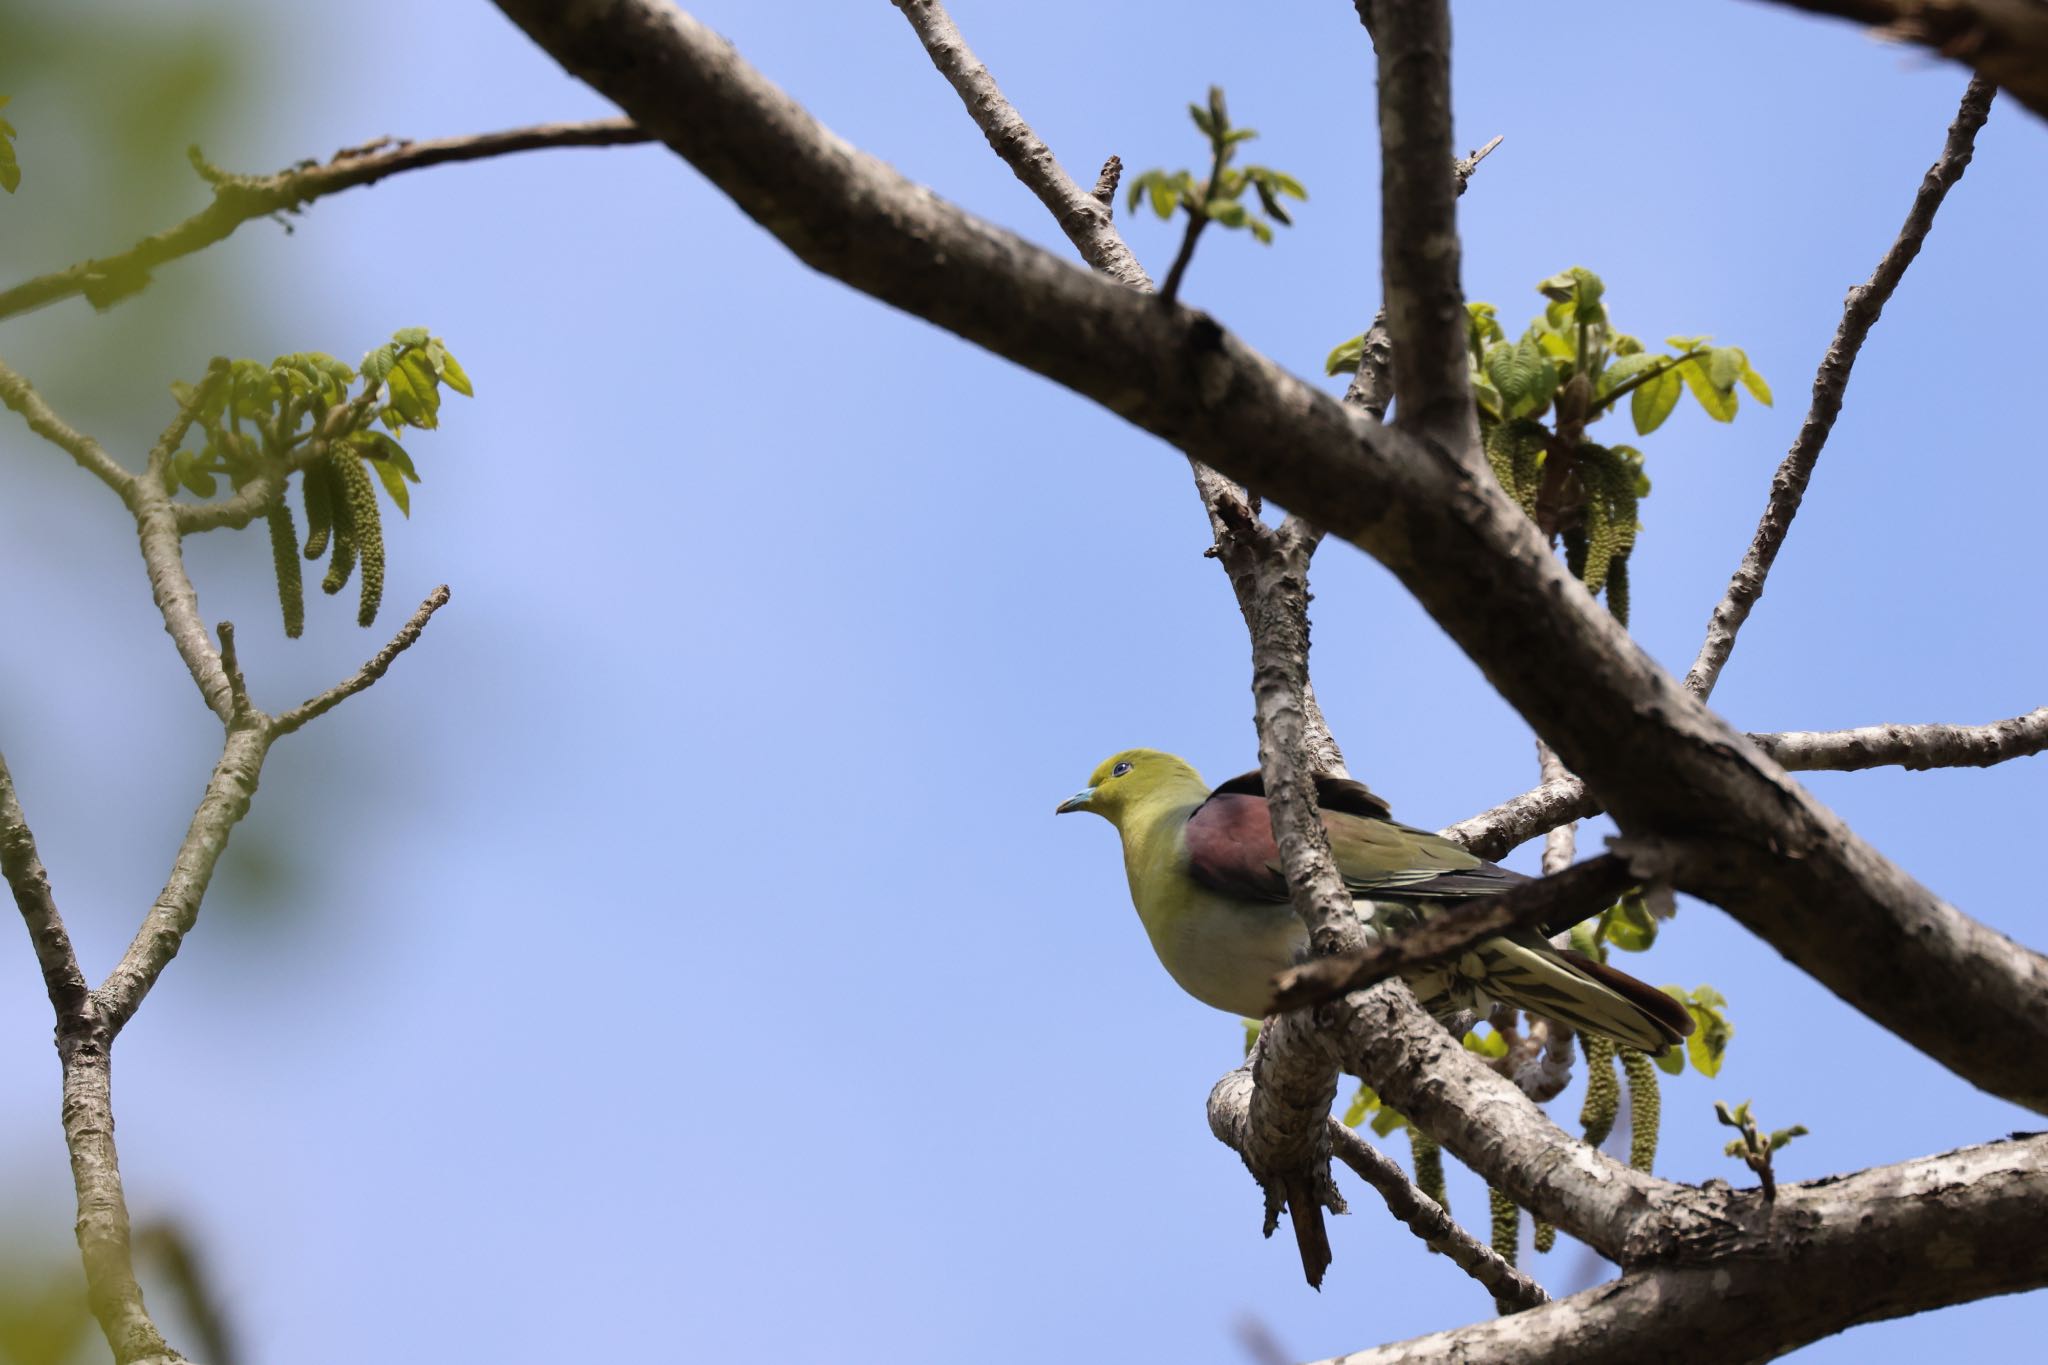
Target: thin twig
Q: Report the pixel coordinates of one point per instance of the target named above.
(1428, 1220)
(1920, 748)
(236, 199)
(62, 978)
(18, 394)
(1083, 217)
(1860, 312)
(379, 664)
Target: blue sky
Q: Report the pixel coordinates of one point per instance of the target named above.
(676, 954)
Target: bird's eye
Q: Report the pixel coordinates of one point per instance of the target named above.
(1119, 770)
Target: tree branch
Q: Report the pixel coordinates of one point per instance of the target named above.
(1427, 1219)
(225, 802)
(1084, 217)
(1419, 248)
(379, 664)
(18, 394)
(2004, 41)
(107, 280)
(31, 885)
(1658, 759)
(1492, 833)
(1878, 1244)
(1859, 314)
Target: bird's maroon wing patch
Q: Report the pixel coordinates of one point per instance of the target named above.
(1231, 849)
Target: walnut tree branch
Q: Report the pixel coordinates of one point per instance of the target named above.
(106, 280)
(1084, 217)
(1428, 1220)
(1491, 833)
(18, 395)
(1859, 314)
(1760, 1279)
(378, 665)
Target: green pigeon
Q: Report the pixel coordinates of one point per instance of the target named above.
(1208, 884)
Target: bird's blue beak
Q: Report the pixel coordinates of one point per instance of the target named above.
(1078, 801)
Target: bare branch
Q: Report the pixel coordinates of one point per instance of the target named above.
(225, 802)
(1492, 833)
(236, 199)
(1594, 883)
(1859, 314)
(2004, 41)
(379, 664)
(1084, 217)
(1764, 1280)
(1419, 249)
(31, 885)
(1919, 747)
(1427, 1219)
(16, 393)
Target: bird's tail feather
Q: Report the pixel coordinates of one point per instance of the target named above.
(1590, 996)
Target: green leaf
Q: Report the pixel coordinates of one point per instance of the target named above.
(404, 396)
(1556, 346)
(394, 484)
(1719, 402)
(415, 367)
(1686, 343)
(1671, 1061)
(1387, 1121)
(377, 363)
(1725, 365)
(1228, 212)
(1486, 1044)
(1754, 382)
(1345, 357)
(410, 336)
(454, 376)
(1621, 369)
(1362, 1103)
(1261, 230)
(1781, 1136)
(1482, 327)
(1202, 120)
(1711, 1030)
(1283, 183)
(1164, 197)
(1237, 135)
(1628, 925)
(1651, 403)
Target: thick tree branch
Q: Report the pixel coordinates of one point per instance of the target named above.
(107, 280)
(2004, 41)
(1084, 217)
(1764, 1279)
(1419, 251)
(1657, 758)
(1859, 314)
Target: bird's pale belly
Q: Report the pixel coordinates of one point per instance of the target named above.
(1225, 953)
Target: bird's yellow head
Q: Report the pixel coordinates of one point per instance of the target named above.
(1136, 777)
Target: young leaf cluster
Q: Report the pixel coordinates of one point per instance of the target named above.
(1752, 1146)
(1538, 393)
(312, 415)
(1220, 198)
